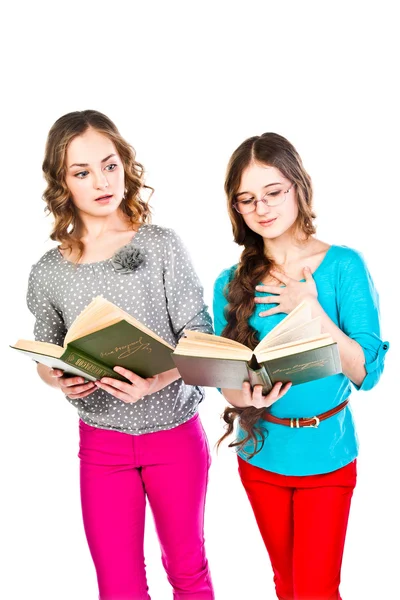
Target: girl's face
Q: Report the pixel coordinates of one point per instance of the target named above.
(94, 174)
(262, 181)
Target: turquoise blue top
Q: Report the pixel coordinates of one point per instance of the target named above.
(347, 294)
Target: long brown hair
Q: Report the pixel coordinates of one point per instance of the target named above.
(57, 195)
(273, 150)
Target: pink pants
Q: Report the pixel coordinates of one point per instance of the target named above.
(118, 471)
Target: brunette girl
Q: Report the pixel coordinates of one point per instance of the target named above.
(297, 446)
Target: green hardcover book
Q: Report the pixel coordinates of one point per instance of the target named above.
(104, 336)
(295, 350)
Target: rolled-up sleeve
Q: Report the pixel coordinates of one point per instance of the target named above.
(358, 307)
(184, 292)
(49, 325)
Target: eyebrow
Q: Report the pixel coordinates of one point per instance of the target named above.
(87, 164)
(265, 186)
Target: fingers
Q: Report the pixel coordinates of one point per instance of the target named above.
(75, 387)
(258, 399)
(266, 299)
(117, 392)
(272, 289)
(56, 373)
(127, 392)
(278, 390)
(307, 274)
(78, 389)
(273, 395)
(132, 377)
(115, 384)
(284, 389)
(247, 393)
(66, 381)
(71, 381)
(271, 311)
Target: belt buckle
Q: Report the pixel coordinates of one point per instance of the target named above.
(317, 422)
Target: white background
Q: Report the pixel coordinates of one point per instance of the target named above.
(186, 83)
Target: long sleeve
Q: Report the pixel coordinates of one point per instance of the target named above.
(184, 292)
(358, 306)
(49, 325)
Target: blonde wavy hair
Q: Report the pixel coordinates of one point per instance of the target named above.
(57, 195)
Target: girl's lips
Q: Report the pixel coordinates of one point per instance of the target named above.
(104, 199)
(267, 223)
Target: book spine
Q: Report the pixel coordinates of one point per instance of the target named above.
(260, 377)
(267, 384)
(89, 365)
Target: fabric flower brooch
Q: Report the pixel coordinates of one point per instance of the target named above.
(127, 259)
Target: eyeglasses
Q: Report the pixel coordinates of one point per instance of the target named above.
(249, 205)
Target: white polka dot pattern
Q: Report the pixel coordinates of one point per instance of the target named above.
(163, 293)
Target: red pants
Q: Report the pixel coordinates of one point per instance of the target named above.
(303, 522)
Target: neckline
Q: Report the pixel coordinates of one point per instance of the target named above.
(322, 263)
(100, 262)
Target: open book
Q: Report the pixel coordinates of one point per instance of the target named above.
(104, 336)
(294, 350)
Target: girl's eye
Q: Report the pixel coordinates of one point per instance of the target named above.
(273, 194)
(111, 167)
(246, 202)
(81, 174)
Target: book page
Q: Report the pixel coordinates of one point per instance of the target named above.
(101, 313)
(294, 348)
(89, 320)
(209, 338)
(211, 346)
(311, 329)
(298, 316)
(45, 348)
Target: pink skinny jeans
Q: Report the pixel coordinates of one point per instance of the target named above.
(118, 472)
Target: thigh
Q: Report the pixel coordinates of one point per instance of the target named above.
(320, 523)
(113, 509)
(176, 484)
(272, 505)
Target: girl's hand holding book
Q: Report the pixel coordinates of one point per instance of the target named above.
(138, 386)
(72, 387)
(247, 397)
(255, 397)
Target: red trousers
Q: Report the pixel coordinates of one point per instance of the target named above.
(303, 522)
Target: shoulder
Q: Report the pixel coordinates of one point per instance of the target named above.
(348, 258)
(47, 263)
(43, 280)
(352, 274)
(157, 232)
(157, 235)
(346, 253)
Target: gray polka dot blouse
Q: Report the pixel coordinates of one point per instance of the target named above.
(163, 293)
